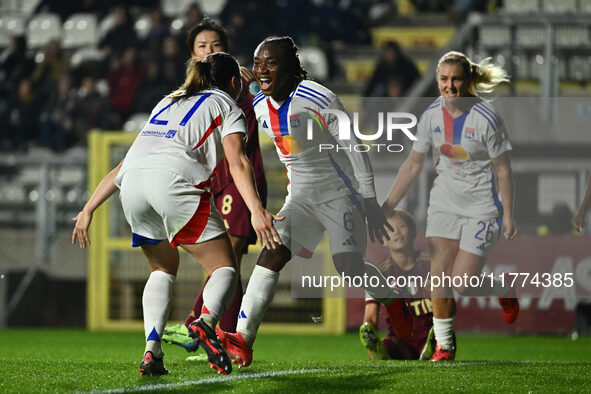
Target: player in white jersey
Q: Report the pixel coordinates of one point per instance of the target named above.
(466, 212)
(165, 181)
(321, 194)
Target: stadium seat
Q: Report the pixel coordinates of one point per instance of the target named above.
(142, 26)
(521, 7)
(559, 6)
(86, 54)
(42, 29)
(136, 122)
(80, 30)
(315, 62)
(212, 8)
(174, 8)
(530, 36)
(494, 36)
(11, 25)
(105, 25)
(25, 7)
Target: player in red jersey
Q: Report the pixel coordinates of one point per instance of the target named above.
(205, 38)
(404, 264)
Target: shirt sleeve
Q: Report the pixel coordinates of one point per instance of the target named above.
(423, 142)
(497, 141)
(233, 122)
(359, 160)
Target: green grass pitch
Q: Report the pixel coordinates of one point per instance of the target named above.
(68, 360)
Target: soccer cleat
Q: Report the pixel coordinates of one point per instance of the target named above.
(207, 339)
(236, 347)
(372, 342)
(443, 354)
(400, 317)
(179, 335)
(429, 347)
(152, 366)
(510, 306)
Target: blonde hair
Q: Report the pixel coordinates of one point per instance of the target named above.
(216, 70)
(483, 76)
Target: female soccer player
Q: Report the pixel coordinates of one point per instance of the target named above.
(404, 264)
(165, 183)
(465, 212)
(320, 194)
(205, 38)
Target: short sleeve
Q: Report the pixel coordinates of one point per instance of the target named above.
(423, 142)
(233, 122)
(497, 141)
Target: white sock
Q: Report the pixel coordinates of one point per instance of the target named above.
(217, 294)
(497, 289)
(444, 331)
(382, 293)
(259, 294)
(156, 302)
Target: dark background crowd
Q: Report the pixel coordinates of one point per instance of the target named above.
(48, 100)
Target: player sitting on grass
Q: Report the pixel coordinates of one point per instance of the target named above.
(403, 261)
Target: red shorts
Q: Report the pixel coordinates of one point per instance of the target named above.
(235, 213)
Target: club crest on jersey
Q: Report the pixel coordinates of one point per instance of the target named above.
(294, 121)
(170, 134)
(469, 133)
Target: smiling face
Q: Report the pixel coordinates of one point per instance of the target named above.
(206, 42)
(271, 73)
(402, 238)
(452, 81)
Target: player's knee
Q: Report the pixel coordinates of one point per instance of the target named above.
(274, 259)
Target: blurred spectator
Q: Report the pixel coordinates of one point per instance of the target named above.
(193, 17)
(121, 35)
(91, 111)
(392, 64)
(24, 117)
(124, 79)
(48, 72)
(158, 31)
(56, 118)
(16, 65)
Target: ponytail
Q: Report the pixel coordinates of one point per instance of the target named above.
(483, 76)
(216, 70)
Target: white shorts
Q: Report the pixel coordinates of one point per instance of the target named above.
(161, 205)
(477, 236)
(305, 223)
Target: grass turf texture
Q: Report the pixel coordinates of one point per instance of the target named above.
(65, 360)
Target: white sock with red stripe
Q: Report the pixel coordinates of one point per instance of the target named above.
(217, 294)
(156, 303)
(444, 332)
(256, 300)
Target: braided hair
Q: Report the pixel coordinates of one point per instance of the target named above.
(290, 50)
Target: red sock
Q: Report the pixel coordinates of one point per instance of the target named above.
(400, 317)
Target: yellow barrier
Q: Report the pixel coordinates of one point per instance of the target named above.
(100, 144)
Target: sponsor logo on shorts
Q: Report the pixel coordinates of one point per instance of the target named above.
(265, 124)
(437, 130)
(349, 242)
(481, 247)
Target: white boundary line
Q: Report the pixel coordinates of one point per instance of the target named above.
(220, 379)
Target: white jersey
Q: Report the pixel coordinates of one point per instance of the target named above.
(465, 183)
(185, 137)
(314, 175)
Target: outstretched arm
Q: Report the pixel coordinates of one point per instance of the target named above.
(407, 175)
(578, 221)
(241, 171)
(502, 169)
(103, 191)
